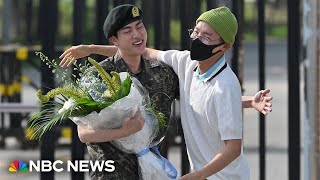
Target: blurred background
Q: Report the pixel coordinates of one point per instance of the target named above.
(277, 47)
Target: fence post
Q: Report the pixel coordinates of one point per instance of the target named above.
(294, 49)
(211, 4)
(261, 46)
(166, 24)
(28, 14)
(77, 147)
(184, 36)
(102, 11)
(237, 52)
(47, 27)
(157, 24)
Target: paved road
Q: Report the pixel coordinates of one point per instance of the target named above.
(276, 122)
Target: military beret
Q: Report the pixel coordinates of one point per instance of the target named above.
(119, 17)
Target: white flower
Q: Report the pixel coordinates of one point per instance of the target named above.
(94, 86)
(107, 93)
(67, 105)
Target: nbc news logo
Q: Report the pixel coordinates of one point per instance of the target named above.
(47, 166)
(18, 166)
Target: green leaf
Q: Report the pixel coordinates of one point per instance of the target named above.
(44, 120)
(124, 88)
(160, 117)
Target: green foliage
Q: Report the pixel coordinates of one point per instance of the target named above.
(160, 117)
(112, 83)
(72, 93)
(175, 33)
(86, 106)
(65, 8)
(45, 119)
(275, 18)
(150, 31)
(277, 32)
(124, 89)
(75, 99)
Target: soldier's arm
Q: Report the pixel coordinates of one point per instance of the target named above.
(130, 126)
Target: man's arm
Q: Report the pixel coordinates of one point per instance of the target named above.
(260, 101)
(76, 52)
(130, 126)
(150, 54)
(229, 152)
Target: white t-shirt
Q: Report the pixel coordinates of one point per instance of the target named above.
(211, 112)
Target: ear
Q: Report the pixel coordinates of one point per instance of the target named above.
(216, 49)
(225, 46)
(113, 40)
(219, 48)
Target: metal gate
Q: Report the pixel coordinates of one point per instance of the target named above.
(157, 14)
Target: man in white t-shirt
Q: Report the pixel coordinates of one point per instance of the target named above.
(210, 96)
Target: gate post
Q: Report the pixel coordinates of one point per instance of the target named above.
(47, 27)
(262, 124)
(157, 23)
(294, 57)
(77, 147)
(237, 50)
(311, 56)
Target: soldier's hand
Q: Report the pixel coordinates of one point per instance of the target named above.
(133, 124)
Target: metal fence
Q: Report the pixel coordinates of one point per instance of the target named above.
(157, 14)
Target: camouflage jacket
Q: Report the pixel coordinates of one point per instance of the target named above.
(162, 84)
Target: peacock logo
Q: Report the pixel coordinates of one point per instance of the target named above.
(18, 165)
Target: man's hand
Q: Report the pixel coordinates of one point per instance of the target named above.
(261, 102)
(192, 176)
(72, 54)
(146, 54)
(133, 124)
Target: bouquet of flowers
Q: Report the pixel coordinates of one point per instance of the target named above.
(101, 100)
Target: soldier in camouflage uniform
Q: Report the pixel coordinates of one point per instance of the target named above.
(123, 25)
(161, 83)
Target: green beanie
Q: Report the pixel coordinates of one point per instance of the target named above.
(222, 22)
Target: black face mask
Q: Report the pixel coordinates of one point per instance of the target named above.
(200, 51)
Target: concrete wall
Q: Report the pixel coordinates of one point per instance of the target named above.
(311, 37)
